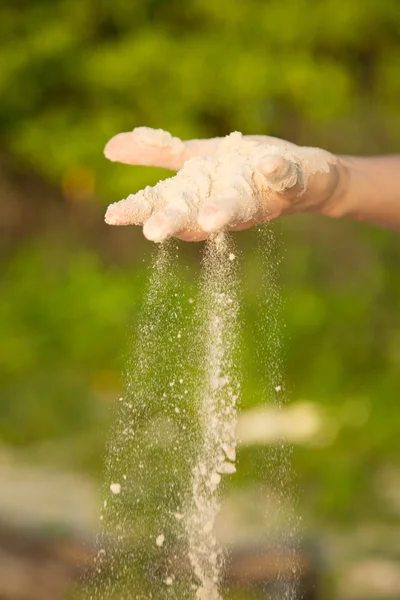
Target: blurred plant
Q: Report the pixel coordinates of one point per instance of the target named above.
(74, 73)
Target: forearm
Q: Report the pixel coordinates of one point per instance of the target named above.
(369, 190)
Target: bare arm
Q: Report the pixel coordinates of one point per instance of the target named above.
(369, 190)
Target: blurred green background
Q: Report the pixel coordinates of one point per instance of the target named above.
(317, 72)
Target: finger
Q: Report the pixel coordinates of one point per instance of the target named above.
(146, 146)
(133, 210)
(157, 148)
(235, 204)
(280, 173)
(164, 224)
(179, 196)
(236, 141)
(218, 213)
(234, 196)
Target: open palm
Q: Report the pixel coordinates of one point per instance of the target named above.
(222, 183)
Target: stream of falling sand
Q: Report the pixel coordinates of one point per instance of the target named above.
(279, 475)
(145, 463)
(218, 413)
(173, 439)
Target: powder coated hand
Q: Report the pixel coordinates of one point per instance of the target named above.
(227, 183)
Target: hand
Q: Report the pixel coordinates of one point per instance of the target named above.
(227, 183)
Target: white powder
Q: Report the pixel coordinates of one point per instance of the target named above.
(217, 406)
(120, 146)
(230, 451)
(143, 493)
(115, 488)
(215, 479)
(226, 467)
(242, 173)
(157, 137)
(278, 467)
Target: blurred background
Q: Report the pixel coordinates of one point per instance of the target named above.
(72, 74)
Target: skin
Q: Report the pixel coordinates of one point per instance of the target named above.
(366, 189)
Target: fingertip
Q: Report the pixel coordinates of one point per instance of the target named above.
(273, 166)
(156, 229)
(115, 149)
(163, 225)
(279, 171)
(214, 216)
(134, 210)
(111, 216)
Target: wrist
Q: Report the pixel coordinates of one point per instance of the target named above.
(363, 188)
(341, 199)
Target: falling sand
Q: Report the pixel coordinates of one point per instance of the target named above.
(217, 406)
(174, 440)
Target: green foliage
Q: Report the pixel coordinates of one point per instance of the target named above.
(63, 321)
(72, 74)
